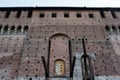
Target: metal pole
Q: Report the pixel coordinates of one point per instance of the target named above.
(91, 70)
(45, 67)
(85, 57)
(48, 63)
(70, 56)
(72, 67)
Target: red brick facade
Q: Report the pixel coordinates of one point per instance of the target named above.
(20, 52)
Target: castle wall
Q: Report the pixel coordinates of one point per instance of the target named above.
(20, 53)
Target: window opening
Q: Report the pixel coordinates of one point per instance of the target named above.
(78, 15)
(119, 28)
(7, 14)
(102, 14)
(0, 28)
(91, 15)
(26, 29)
(54, 15)
(66, 15)
(114, 30)
(18, 14)
(29, 14)
(41, 15)
(30, 78)
(19, 30)
(12, 30)
(6, 30)
(107, 29)
(113, 14)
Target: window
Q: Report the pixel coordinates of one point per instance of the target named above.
(26, 29)
(107, 29)
(119, 27)
(78, 15)
(0, 28)
(59, 67)
(113, 14)
(30, 78)
(19, 30)
(29, 14)
(41, 15)
(12, 29)
(7, 14)
(18, 14)
(54, 15)
(66, 15)
(6, 30)
(91, 15)
(114, 29)
(102, 14)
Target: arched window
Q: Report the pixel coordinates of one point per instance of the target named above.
(19, 30)
(12, 29)
(114, 30)
(108, 29)
(5, 30)
(26, 29)
(59, 67)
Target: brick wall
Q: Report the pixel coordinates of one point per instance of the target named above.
(20, 55)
